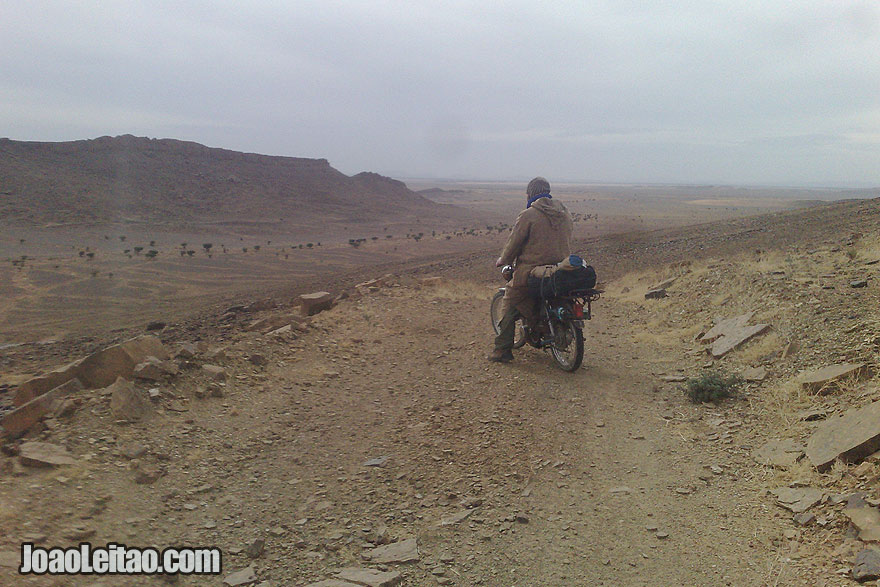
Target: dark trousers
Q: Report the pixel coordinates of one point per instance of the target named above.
(507, 330)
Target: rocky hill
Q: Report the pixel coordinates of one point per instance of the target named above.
(127, 178)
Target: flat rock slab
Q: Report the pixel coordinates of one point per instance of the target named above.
(332, 583)
(867, 565)
(452, 519)
(730, 333)
(755, 374)
(245, 576)
(797, 499)
(397, 552)
(656, 294)
(369, 577)
(866, 520)
(376, 462)
(127, 403)
(850, 437)
(215, 372)
(45, 454)
(20, 420)
(779, 453)
(316, 302)
(102, 368)
(827, 378)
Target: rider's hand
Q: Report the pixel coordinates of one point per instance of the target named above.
(498, 263)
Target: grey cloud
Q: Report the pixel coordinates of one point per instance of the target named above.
(604, 90)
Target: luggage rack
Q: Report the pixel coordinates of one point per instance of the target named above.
(586, 297)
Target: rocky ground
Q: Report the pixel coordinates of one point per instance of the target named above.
(376, 433)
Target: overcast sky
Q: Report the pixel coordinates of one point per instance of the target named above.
(742, 92)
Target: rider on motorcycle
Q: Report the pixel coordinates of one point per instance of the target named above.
(540, 236)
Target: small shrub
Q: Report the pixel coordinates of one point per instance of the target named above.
(712, 386)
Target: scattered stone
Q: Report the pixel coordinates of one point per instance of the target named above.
(866, 520)
(214, 372)
(186, 351)
(812, 414)
(332, 583)
(755, 374)
(133, 451)
(155, 370)
(217, 355)
(255, 548)
(779, 453)
(665, 284)
(64, 408)
(859, 283)
(804, 519)
(155, 325)
(622, 490)
(44, 454)
(797, 500)
(104, 367)
(397, 552)
(245, 576)
(850, 437)
(674, 378)
(316, 302)
(369, 577)
(147, 475)
(269, 324)
(729, 334)
(377, 462)
(656, 294)
(258, 360)
(827, 378)
(79, 533)
(432, 281)
(452, 519)
(790, 349)
(867, 565)
(127, 403)
(662, 534)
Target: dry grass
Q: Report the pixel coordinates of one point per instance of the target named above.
(759, 348)
(460, 290)
(781, 404)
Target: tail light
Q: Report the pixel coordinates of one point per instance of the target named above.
(578, 310)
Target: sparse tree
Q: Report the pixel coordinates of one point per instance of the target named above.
(309, 245)
(122, 238)
(207, 247)
(257, 248)
(151, 254)
(90, 255)
(137, 250)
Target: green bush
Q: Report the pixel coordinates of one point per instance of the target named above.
(712, 386)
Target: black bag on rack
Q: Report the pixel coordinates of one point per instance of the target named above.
(562, 282)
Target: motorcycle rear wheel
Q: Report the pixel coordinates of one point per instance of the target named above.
(567, 347)
(519, 336)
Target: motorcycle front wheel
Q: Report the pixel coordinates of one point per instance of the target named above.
(567, 347)
(519, 336)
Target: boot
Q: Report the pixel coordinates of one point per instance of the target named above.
(500, 356)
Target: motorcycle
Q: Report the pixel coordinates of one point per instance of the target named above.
(560, 323)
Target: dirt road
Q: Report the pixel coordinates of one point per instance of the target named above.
(593, 478)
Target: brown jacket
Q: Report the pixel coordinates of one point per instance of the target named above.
(540, 236)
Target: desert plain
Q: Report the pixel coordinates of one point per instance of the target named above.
(372, 444)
